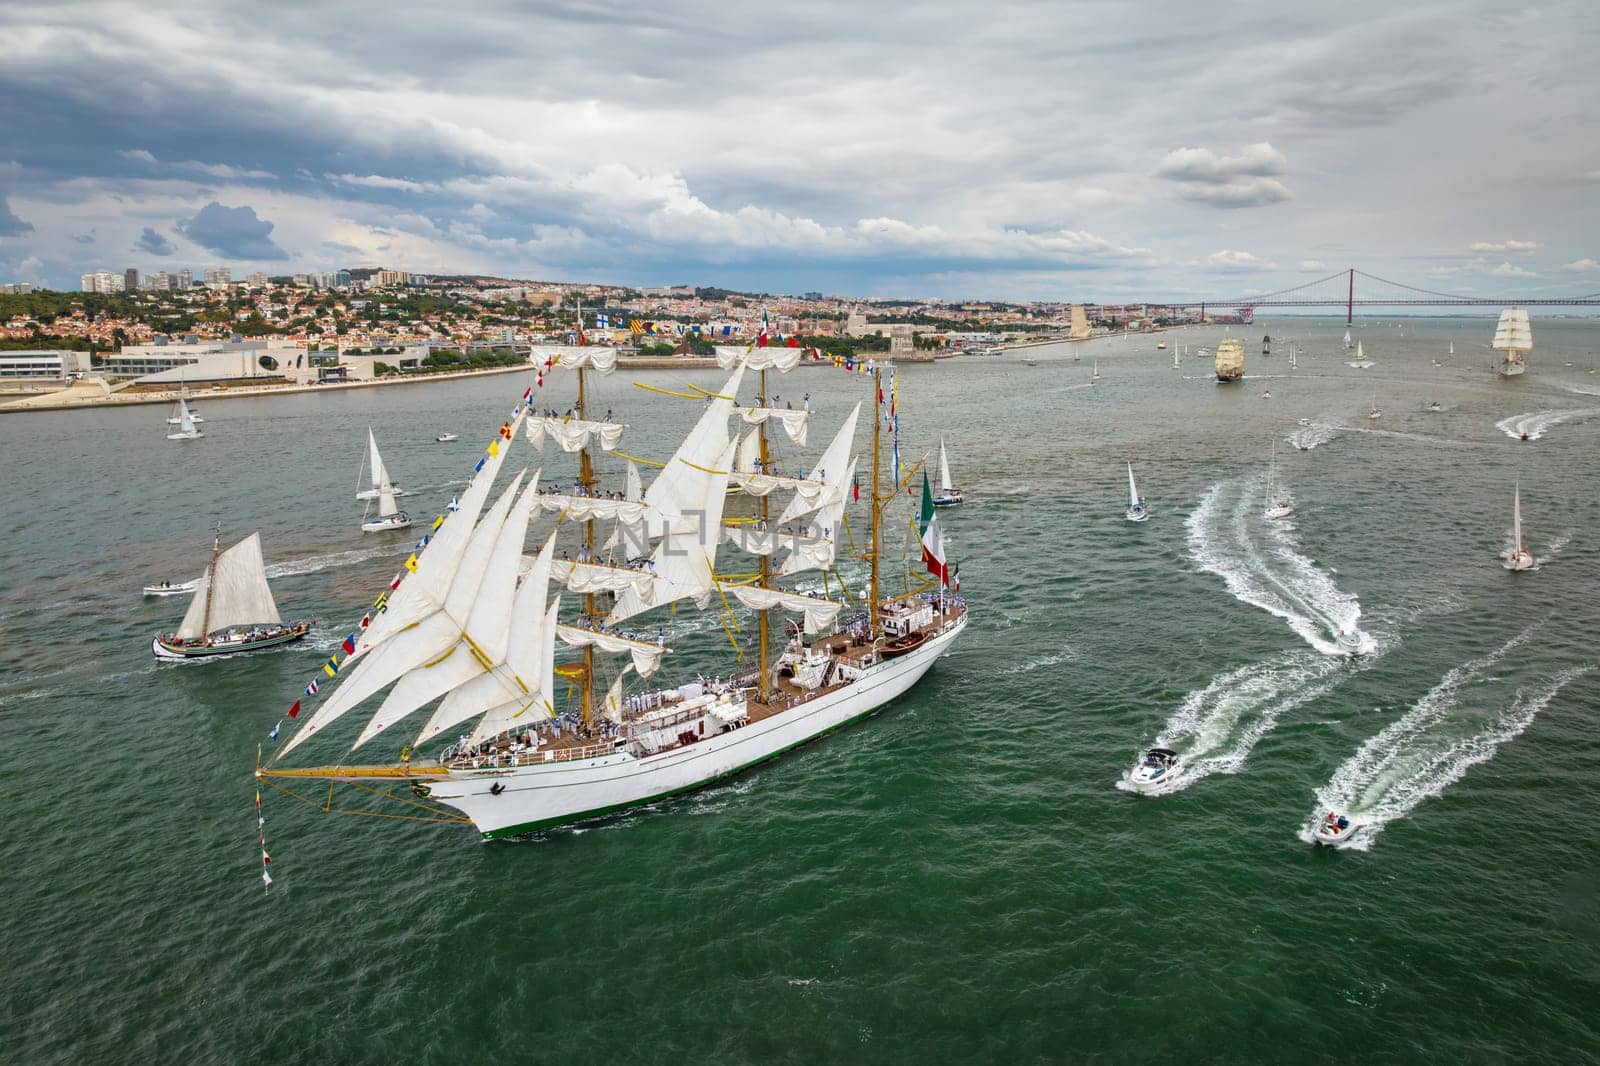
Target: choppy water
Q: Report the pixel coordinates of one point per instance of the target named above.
(958, 879)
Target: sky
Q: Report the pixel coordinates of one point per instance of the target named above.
(1028, 151)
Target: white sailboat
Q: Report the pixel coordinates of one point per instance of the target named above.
(1175, 357)
(186, 427)
(377, 473)
(1347, 344)
(389, 515)
(1373, 412)
(1514, 336)
(462, 631)
(1277, 506)
(232, 610)
(1517, 557)
(1360, 362)
(1452, 347)
(1096, 375)
(949, 495)
(1136, 512)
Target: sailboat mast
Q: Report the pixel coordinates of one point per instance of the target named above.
(586, 478)
(211, 580)
(764, 574)
(877, 502)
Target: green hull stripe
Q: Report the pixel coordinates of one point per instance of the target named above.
(601, 812)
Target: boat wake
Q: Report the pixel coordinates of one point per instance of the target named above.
(1553, 549)
(1307, 437)
(1217, 726)
(1262, 566)
(1536, 424)
(310, 564)
(1433, 744)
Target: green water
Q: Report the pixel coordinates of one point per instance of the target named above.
(958, 878)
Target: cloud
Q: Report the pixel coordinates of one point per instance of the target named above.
(1585, 265)
(378, 181)
(139, 155)
(1229, 260)
(224, 171)
(83, 238)
(1311, 266)
(10, 224)
(1249, 179)
(1506, 270)
(154, 243)
(1517, 247)
(234, 232)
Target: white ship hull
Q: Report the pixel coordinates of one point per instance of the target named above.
(1511, 370)
(552, 793)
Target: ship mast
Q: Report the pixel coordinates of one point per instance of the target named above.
(587, 479)
(765, 572)
(877, 503)
(211, 580)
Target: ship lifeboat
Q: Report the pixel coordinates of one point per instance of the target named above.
(905, 645)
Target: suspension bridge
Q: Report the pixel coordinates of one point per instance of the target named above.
(1340, 289)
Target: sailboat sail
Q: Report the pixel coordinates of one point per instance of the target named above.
(1516, 519)
(379, 475)
(944, 468)
(1133, 491)
(185, 416)
(236, 585)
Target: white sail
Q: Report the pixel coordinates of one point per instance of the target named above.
(794, 422)
(576, 357)
(685, 560)
(1133, 490)
(773, 357)
(1516, 519)
(597, 577)
(423, 592)
(516, 676)
(386, 506)
(185, 416)
(819, 613)
(1513, 333)
(766, 541)
(1360, 354)
(833, 461)
(749, 461)
(583, 508)
(484, 638)
(573, 434)
(678, 492)
(817, 550)
(646, 657)
(611, 709)
(633, 487)
(429, 637)
(944, 468)
(517, 713)
(375, 468)
(237, 585)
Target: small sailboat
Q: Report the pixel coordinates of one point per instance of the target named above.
(1360, 362)
(446, 438)
(1517, 557)
(168, 588)
(1136, 512)
(389, 515)
(1333, 830)
(1452, 347)
(949, 495)
(186, 427)
(1277, 506)
(1373, 412)
(1294, 357)
(1096, 375)
(1158, 766)
(377, 473)
(232, 610)
(1347, 340)
(1175, 359)
(1161, 346)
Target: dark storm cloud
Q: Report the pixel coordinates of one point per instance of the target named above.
(234, 232)
(153, 242)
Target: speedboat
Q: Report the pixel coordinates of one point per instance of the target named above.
(1305, 421)
(1524, 436)
(167, 588)
(1333, 830)
(1348, 639)
(1435, 406)
(446, 438)
(1155, 767)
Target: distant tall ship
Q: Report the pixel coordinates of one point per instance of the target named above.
(232, 610)
(1514, 336)
(471, 631)
(1230, 359)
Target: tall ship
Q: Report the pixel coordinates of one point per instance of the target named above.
(1230, 359)
(470, 626)
(1513, 336)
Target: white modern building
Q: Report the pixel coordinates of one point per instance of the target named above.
(42, 366)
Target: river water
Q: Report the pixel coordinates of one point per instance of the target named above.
(958, 878)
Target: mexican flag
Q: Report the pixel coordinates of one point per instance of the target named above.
(932, 535)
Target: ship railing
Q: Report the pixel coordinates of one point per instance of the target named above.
(531, 757)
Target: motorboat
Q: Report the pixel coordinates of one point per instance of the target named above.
(169, 588)
(446, 438)
(1155, 767)
(1349, 639)
(1277, 506)
(1333, 830)
(1435, 407)
(1305, 421)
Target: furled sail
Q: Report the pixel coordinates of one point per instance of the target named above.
(781, 359)
(763, 541)
(520, 712)
(424, 591)
(794, 422)
(597, 577)
(646, 656)
(431, 636)
(817, 549)
(576, 357)
(573, 434)
(237, 584)
(833, 462)
(583, 508)
(517, 675)
(819, 612)
(685, 560)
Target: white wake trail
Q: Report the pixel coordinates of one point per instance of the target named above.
(1307, 437)
(1260, 562)
(1537, 423)
(1427, 749)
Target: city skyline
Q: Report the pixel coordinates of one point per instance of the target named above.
(1044, 155)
